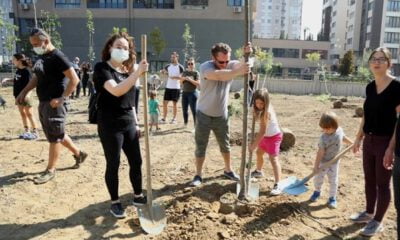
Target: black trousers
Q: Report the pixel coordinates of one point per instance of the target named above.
(113, 139)
(396, 188)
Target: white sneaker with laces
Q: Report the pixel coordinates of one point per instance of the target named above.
(276, 190)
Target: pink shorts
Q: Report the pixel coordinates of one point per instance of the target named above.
(271, 144)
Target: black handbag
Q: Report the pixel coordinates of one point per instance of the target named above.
(93, 109)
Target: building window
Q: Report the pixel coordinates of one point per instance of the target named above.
(25, 1)
(392, 37)
(286, 52)
(168, 4)
(352, 2)
(370, 6)
(235, 3)
(394, 52)
(393, 6)
(68, 3)
(106, 4)
(196, 3)
(393, 22)
(369, 20)
(333, 24)
(350, 41)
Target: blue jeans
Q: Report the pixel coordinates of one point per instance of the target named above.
(189, 99)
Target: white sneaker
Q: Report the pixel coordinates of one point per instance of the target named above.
(162, 121)
(173, 121)
(276, 190)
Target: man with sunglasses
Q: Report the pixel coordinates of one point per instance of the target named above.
(50, 73)
(173, 87)
(212, 106)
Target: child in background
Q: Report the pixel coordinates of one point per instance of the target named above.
(268, 139)
(21, 79)
(329, 146)
(154, 109)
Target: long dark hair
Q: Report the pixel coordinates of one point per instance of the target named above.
(21, 57)
(106, 55)
(263, 95)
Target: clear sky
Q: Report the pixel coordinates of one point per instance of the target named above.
(311, 17)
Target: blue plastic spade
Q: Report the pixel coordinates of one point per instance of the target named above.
(297, 187)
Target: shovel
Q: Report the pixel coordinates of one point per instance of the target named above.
(252, 189)
(297, 187)
(152, 215)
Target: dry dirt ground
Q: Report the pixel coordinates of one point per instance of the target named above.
(75, 205)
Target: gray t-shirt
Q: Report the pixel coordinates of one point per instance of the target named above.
(331, 143)
(214, 95)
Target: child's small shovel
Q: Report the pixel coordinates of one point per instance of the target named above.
(298, 186)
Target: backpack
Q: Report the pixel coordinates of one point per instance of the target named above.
(93, 109)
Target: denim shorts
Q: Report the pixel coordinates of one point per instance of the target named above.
(204, 125)
(53, 121)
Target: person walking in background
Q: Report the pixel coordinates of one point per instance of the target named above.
(212, 107)
(117, 126)
(375, 131)
(51, 72)
(329, 145)
(268, 139)
(172, 92)
(75, 65)
(85, 69)
(21, 79)
(154, 109)
(190, 83)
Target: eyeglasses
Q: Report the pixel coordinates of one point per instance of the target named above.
(378, 60)
(190, 64)
(223, 62)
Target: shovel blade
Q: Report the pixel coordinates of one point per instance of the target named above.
(254, 190)
(287, 182)
(296, 188)
(152, 219)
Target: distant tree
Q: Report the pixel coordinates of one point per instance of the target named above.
(347, 66)
(363, 68)
(11, 38)
(157, 41)
(310, 37)
(313, 57)
(189, 49)
(116, 30)
(50, 23)
(90, 27)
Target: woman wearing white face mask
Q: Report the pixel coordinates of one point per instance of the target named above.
(114, 79)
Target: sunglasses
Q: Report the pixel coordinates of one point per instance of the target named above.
(190, 64)
(223, 62)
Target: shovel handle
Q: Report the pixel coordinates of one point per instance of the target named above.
(330, 162)
(146, 125)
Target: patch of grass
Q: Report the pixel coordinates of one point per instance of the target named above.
(323, 98)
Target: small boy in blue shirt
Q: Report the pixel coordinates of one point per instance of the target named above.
(154, 109)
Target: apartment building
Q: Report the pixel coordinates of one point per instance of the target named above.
(210, 22)
(278, 19)
(368, 24)
(334, 23)
(291, 54)
(6, 16)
